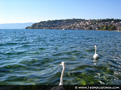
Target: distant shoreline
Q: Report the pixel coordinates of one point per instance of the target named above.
(79, 24)
(63, 30)
(76, 29)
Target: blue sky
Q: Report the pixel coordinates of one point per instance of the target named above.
(19, 11)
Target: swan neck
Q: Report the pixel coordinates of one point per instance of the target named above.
(61, 78)
(95, 49)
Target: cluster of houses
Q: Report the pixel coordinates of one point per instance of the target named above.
(77, 24)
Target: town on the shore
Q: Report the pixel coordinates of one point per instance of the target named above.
(79, 24)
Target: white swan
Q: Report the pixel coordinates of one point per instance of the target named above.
(61, 78)
(60, 87)
(95, 56)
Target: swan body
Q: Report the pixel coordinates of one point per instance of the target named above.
(95, 56)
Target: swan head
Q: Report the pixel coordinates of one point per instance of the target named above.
(95, 46)
(62, 63)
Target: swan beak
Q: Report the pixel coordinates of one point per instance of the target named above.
(60, 64)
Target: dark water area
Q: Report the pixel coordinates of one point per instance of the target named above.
(32, 57)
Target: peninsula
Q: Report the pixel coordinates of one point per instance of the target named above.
(79, 24)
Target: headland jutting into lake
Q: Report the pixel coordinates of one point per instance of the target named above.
(79, 24)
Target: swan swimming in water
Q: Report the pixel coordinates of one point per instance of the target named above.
(95, 56)
(61, 78)
(60, 87)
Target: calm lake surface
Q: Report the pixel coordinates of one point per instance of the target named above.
(30, 57)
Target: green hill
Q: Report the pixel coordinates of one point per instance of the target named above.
(79, 24)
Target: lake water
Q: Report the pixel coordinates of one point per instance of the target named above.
(30, 57)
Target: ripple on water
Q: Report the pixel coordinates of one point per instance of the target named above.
(33, 57)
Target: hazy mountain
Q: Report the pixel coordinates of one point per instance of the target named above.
(15, 25)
